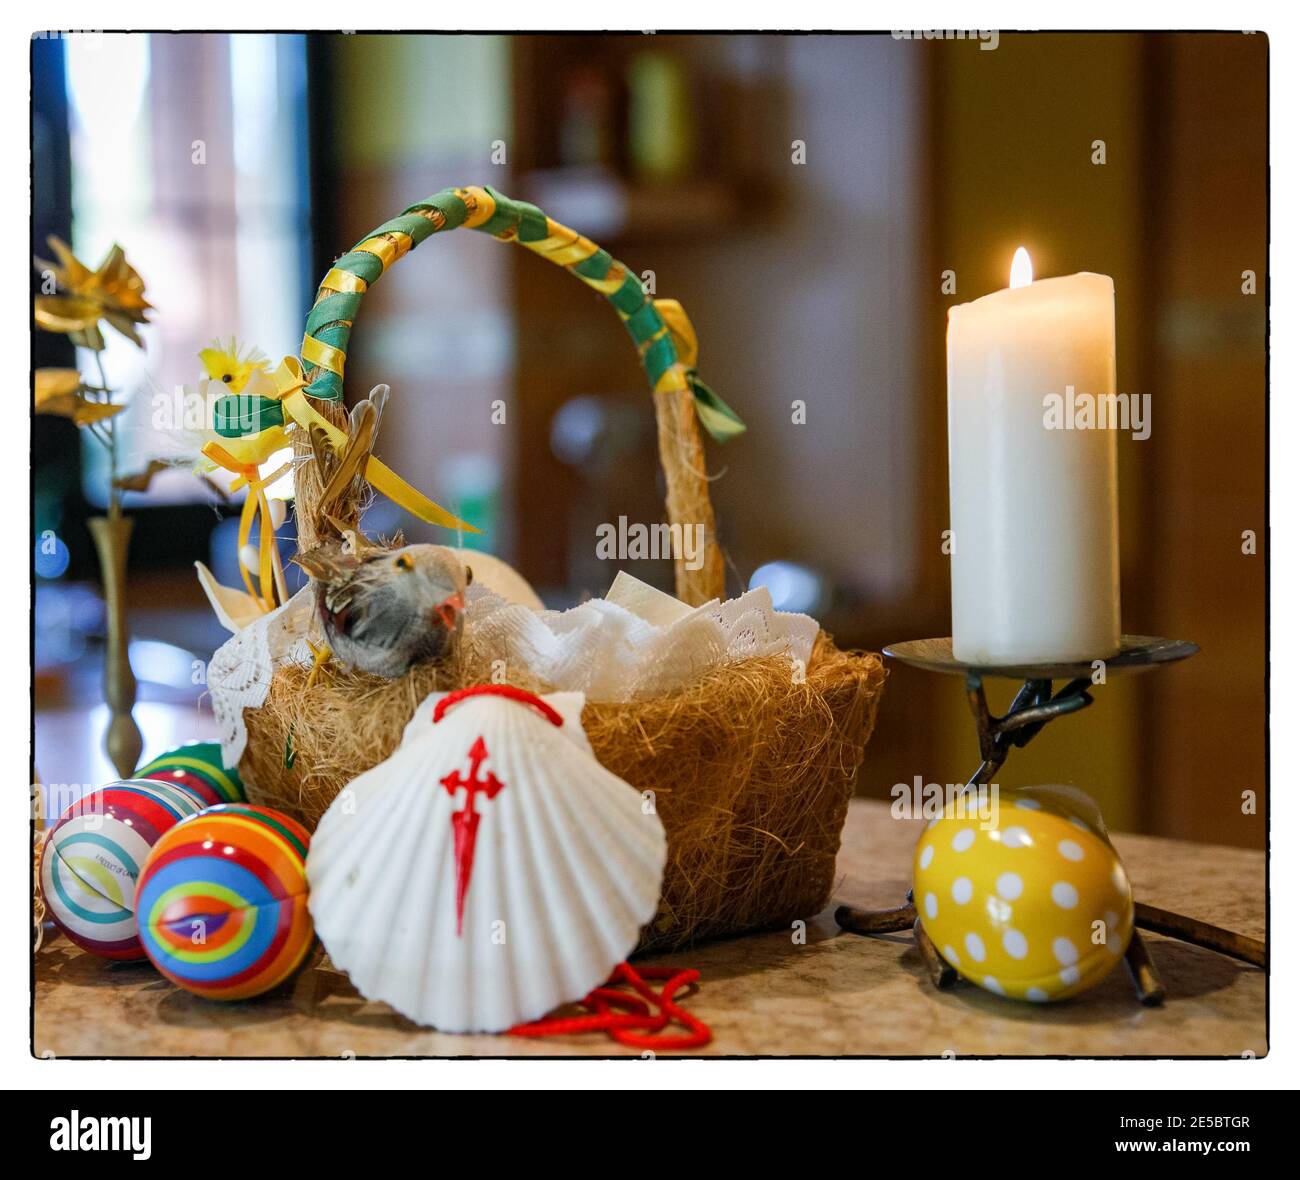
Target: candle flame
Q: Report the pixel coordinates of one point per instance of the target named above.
(1022, 269)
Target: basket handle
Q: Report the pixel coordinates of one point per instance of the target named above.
(659, 328)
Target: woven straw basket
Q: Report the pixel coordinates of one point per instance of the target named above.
(752, 766)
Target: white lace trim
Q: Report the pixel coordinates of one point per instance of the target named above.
(241, 669)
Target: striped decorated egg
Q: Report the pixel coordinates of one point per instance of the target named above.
(93, 857)
(198, 767)
(222, 902)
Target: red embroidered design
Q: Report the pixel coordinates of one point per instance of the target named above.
(464, 823)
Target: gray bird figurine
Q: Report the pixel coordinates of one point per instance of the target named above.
(384, 611)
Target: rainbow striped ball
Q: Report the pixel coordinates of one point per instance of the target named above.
(93, 856)
(222, 902)
(198, 767)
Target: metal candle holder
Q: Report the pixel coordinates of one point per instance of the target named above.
(1033, 707)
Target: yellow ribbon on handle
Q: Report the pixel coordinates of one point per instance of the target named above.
(681, 329)
(718, 418)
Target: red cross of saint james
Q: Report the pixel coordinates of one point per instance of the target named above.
(464, 823)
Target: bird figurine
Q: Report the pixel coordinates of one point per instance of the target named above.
(383, 610)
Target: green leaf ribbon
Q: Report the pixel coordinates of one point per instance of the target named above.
(718, 418)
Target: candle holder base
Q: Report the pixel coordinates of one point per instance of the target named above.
(1034, 705)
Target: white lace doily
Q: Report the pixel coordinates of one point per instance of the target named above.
(240, 671)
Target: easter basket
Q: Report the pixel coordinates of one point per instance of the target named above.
(752, 764)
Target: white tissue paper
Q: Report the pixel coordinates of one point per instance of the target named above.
(636, 643)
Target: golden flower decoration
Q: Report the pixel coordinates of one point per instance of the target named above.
(114, 293)
(61, 392)
(227, 362)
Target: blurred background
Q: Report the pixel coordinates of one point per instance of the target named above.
(817, 203)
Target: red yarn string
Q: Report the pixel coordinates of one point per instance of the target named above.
(497, 690)
(637, 1020)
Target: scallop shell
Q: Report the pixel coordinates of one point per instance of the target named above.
(477, 925)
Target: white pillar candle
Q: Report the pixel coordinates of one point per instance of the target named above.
(1034, 507)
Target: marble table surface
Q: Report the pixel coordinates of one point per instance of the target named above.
(825, 993)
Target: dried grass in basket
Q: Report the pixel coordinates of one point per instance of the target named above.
(752, 766)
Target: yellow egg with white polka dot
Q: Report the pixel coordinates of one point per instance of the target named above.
(1024, 901)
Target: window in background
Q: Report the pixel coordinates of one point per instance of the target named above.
(190, 150)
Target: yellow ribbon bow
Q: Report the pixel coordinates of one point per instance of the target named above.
(244, 456)
(270, 572)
